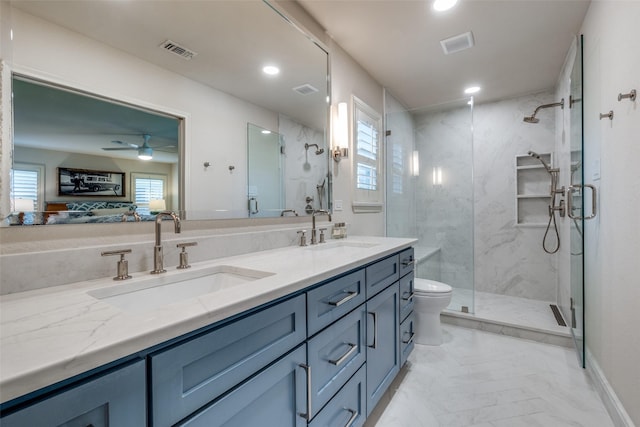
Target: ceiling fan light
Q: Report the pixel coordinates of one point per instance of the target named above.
(145, 153)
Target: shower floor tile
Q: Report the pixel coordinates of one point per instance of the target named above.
(512, 311)
(480, 379)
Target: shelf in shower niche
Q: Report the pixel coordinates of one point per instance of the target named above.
(532, 196)
(529, 167)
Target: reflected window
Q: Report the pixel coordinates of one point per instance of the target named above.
(27, 183)
(148, 187)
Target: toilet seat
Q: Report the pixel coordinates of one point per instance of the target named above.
(430, 287)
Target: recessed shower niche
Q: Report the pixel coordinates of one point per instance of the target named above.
(532, 190)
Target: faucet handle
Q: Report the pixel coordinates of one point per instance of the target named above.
(322, 230)
(123, 264)
(303, 237)
(184, 256)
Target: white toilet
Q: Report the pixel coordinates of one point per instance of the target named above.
(431, 297)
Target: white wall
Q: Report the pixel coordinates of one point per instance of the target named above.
(349, 78)
(611, 66)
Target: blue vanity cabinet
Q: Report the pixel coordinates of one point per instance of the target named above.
(383, 355)
(273, 397)
(407, 261)
(348, 406)
(116, 399)
(381, 274)
(329, 302)
(334, 355)
(194, 373)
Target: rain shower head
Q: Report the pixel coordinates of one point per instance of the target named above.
(318, 149)
(532, 118)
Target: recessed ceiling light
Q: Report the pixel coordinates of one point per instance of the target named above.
(271, 70)
(442, 5)
(472, 89)
(266, 132)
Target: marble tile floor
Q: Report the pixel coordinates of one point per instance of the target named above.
(507, 310)
(481, 379)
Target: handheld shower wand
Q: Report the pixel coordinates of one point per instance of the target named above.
(553, 172)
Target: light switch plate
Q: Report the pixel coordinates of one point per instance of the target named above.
(337, 205)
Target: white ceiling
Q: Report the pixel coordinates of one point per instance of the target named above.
(520, 45)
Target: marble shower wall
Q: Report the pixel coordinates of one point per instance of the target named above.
(401, 206)
(444, 214)
(509, 259)
(304, 170)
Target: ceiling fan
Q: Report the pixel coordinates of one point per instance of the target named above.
(145, 151)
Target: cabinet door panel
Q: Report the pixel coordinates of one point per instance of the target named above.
(192, 374)
(382, 274)
(406, 296)
(407, 331)
(329, 302)
(274, 397)
(348, 406)
(116, 399)
(335, 354)
(383, 355)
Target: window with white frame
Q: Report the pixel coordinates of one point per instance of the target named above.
(27, 183)
(147, 187)
(367, 148)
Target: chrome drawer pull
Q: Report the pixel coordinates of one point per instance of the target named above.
(340, 361)
(354, 415)
(307, 369)
(410, 338)
(375, 330)
(409, 262)
(350, 296)
(406, 296)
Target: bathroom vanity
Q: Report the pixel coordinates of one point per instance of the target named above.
(288, 337)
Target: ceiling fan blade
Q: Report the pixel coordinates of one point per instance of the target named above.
(135, 146)
(118, 148)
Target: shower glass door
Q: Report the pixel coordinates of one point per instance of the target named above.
(430, 191)
(576, 308)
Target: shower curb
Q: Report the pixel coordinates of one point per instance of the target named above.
(503, 328)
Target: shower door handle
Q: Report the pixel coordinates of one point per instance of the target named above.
(594, 199)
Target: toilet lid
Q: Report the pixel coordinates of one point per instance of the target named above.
(426, 286)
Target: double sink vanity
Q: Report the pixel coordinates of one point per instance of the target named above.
(293, 336)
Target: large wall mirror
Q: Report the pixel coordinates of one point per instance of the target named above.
(100, 85)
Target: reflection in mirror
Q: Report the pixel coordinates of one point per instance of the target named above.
(84, 159)
(265, 172)
(102, 50)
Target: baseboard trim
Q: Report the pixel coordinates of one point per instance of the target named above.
(614, 407)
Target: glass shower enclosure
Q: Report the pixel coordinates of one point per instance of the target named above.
(429, 167)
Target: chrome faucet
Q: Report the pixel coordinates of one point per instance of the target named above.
(157, 249)
(314, 240)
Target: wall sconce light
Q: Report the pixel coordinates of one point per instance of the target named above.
(415, 163)
(437, 175)
(341, 133)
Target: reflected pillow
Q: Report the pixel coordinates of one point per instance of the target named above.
(112, 211)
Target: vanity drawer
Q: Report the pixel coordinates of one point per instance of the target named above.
(407, 261)
(347, 408)
(407, 332)
(116, 399)
(333, 300)
(382, 274)
(406, 296)
(274, 397)
(190, 375)
(335, 355)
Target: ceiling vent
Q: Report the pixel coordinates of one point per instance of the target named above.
(305, 89)
(178, 50)
(457, 43)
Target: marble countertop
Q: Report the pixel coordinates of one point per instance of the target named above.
(52, 334)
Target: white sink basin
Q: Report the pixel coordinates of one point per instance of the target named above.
(335, 244)
(153, 292)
